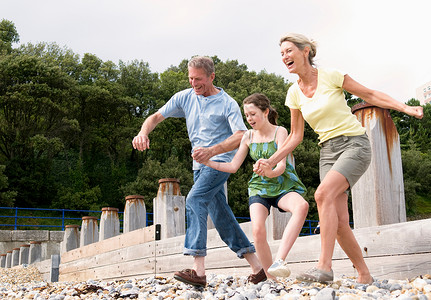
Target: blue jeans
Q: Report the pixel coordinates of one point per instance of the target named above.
(207, 196)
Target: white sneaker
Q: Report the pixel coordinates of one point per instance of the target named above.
(279, 269)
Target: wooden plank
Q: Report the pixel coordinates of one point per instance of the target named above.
(394, 239)
(175, 245)
(133, 268)
(133, 253)
(396, 267)
(124, 240)
(392, 250)
(44, 268)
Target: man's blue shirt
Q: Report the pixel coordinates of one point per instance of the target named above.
(210, 120)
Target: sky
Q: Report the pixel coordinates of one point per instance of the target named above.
(382, 44)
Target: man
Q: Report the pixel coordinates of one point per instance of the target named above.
(215, 128)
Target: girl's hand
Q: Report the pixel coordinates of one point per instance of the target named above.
(257, 169)
(262, 167)
(267, 170)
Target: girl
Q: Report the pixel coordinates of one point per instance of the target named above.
(280, 187)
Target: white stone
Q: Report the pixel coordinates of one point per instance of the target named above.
(419, 283)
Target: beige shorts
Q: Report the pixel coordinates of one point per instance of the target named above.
(348, 155)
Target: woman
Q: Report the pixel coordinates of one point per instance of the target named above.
(280, 188)
(318, 98)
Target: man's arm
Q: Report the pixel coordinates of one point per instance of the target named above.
(141, 141)
(201, 154)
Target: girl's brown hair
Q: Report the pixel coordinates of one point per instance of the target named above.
(263, 103)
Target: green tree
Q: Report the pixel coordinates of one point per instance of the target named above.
(7, 196)
(35, 97)
(146, 183)
(8, 36)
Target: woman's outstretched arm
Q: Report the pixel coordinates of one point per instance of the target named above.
(380, 99)
(292, 141)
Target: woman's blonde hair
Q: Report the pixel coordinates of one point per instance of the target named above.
(301, 41)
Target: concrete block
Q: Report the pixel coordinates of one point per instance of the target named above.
(6, 235)
(30, 235)
(56, 236)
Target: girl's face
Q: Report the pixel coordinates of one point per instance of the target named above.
(294, 58)
(255, 116)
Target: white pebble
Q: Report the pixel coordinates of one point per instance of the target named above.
(419, 283)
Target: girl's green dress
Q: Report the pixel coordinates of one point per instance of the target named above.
(272, 187)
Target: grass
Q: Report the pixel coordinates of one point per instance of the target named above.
(422, 209)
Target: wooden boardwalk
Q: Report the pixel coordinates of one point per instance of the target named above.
(396, 251)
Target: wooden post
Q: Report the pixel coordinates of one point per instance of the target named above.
(35, 252)
(8, 259)
(15, 257)
(109, 223)
(3, 261)
(23, 254)
(378, 196)
(89, 231)
(71, 238)
(55, 268)
(169, 208)
(135, 214)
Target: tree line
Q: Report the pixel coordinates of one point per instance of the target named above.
(67, 122)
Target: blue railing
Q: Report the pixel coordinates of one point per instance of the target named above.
(65, 216)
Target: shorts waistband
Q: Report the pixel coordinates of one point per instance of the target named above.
(342, 137)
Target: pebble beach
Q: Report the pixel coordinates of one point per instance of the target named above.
(25, 282)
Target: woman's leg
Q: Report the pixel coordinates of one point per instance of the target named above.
(258, 215)
(329, 195)
(348, 243)
(331, 202)
(294, 203)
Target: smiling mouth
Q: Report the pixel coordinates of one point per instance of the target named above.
(289, 63)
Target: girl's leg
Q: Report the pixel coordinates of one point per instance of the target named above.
(258, 215)
(294, 203)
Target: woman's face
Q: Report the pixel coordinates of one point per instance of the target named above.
(255, 116)
(294, 58)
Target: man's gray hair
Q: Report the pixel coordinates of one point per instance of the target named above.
(202, 62)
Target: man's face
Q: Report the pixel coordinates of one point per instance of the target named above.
(200, 82)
